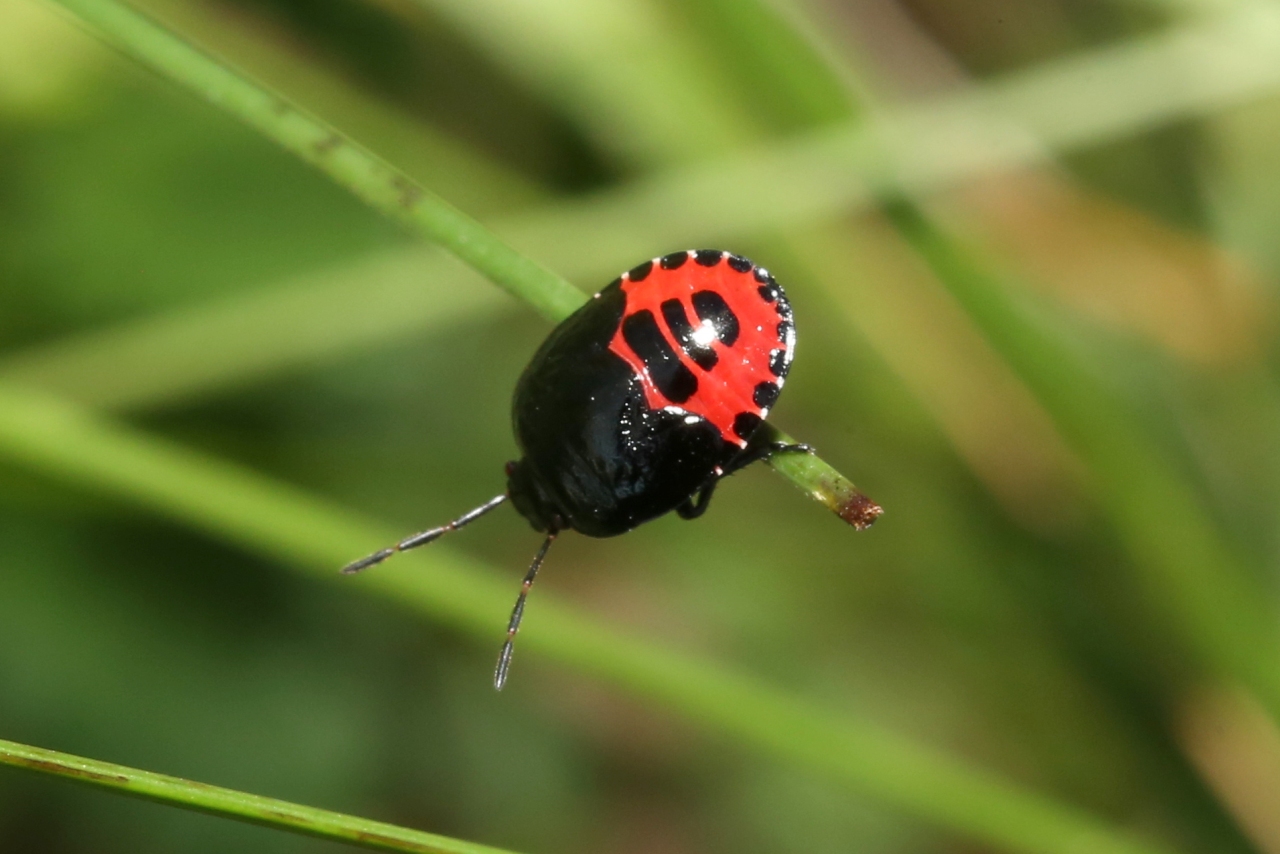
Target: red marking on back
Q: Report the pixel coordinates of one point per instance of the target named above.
(728, 388)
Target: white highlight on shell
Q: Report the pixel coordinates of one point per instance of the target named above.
(704, 334)
(691, 419)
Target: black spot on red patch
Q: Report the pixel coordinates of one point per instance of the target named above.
(676, 382)
(739, 263)
(712, 308)
(678, 322)
(640, 272)
(674, 261)
(778, 362)
(769, 293)
(784, 330)
(746, 423)
(708, 257)
(765, 395)
(763, 276)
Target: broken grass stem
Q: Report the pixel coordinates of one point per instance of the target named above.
(821, 482)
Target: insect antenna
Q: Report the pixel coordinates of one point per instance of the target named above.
(422, 538)
(517, 614)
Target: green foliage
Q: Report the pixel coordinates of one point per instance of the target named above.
(1067, 406)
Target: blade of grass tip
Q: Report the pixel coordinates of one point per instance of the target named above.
(373, 180)
(305, 533)
(1186, 564)
(229, 803)
(829, 487)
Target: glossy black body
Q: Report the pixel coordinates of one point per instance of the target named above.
(597, 458)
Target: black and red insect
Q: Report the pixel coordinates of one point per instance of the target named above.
(640, 402)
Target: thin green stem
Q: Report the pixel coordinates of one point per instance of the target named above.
(230, 803)
(227, 501)
(830, 487)
(376, 182)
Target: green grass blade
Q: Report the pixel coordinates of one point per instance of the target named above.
(238, 505)
(636, 102)
(348, 163)
(831, 488)
(171, 357)
(228, 803)
(1186, 565)
(454, 168)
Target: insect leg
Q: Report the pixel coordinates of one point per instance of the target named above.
(691, 508)
(422, 538)
(517, 614)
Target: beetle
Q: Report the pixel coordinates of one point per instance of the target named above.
(639, 403)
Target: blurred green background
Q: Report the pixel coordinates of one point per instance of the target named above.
(1115, 162)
